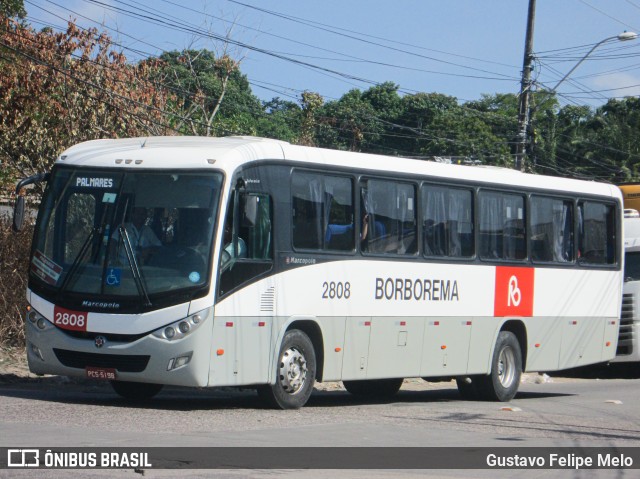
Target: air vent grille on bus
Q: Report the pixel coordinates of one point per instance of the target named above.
(268, 300)
(121, 362)
(625, 336)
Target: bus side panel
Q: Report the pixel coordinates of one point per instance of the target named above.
(611, 338)
(582, 340)
(333, 336)
(544, 339)
(253, 343)
(446, 346)
(576, 293)
(244, 335)
(583, 301)
(223, 353)
(356, 347)
(395, 347)
(483, 334)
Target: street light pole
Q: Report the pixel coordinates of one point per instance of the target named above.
(525, 87)
(623, 37)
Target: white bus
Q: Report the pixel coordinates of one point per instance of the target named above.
(251, 262)
(628, 340)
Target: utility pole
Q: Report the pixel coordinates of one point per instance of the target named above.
(525, 91)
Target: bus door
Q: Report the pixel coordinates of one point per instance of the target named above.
(244, 322)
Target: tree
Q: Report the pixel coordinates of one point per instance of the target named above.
(350, 123)
(311, 104)
(281, 120)
(57, 89)
(212, 97)
(12, 8)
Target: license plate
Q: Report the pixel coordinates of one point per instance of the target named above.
(100, 373)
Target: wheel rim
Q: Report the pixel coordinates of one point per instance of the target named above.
(506, 367)
(293, 371)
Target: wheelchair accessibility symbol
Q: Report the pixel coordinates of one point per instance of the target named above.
(113, 276)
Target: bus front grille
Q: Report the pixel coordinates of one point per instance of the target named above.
(625, 336)
(121, 362)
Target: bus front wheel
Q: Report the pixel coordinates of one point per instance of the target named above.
(295, 374)
(506, 370)
(135, 391)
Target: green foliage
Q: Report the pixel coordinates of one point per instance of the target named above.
(281, 119)
(12, 8)
(213, 97)
(350, 123)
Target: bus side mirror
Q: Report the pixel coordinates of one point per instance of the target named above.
(19, 207)
(18, 214)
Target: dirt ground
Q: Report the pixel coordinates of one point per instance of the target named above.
(13, 363)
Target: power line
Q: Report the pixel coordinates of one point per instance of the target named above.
(621, 22)
(468, 110)
(352, 35)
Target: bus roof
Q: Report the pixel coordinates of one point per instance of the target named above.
(228, 153)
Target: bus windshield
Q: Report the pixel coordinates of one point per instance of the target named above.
(125, 240)
(632, 266)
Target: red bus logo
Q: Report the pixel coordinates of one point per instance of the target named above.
(513, 291)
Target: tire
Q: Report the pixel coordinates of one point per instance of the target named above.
(296, 373)
(468, 387)
(380, 388)
(506, 370)
(135, 391)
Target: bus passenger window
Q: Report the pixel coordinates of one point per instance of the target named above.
(388, 217)
(447, 222)
(596, 233)
(502, 226)
(551, 232)
(322, 212)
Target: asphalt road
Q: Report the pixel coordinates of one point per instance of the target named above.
(574, 412)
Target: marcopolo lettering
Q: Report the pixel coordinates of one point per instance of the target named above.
(406, 289)
(94, 182)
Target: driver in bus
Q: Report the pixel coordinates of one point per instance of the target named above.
(143, 239)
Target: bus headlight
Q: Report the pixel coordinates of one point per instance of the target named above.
(183, 327)
(38, 320)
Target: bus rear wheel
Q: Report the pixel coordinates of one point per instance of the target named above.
(506, 370)
(295, 375)
(135, 391)
(382, 388)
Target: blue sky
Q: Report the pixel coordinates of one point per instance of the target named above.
(462, 48)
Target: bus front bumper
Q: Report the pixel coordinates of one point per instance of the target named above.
(184, 361)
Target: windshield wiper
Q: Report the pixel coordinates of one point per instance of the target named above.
(133, 264)
(79, 257)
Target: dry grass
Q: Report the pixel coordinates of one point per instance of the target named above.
(14, 263)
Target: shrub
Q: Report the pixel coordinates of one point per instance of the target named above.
(14, 263)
